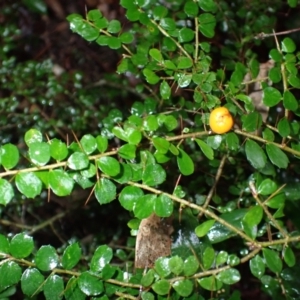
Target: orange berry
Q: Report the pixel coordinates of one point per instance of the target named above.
(220, 120)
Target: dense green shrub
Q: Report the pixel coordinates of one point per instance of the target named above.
(233, 196)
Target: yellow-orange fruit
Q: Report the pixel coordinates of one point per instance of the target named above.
(220, 120)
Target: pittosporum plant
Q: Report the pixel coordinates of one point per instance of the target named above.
(226, 195)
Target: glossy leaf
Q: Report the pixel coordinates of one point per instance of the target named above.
(54, 287)
(71, 256)
(89, 284)
(161, 287)
(60, 182)
(58, 150)
(210, 283)
(129, 197)
(207, 150)
(185, 163)
(31, 281)
(277, 156)
(163, 206)
(190, 266)
(267, 187)
(28, 184)
(154, 175)
(105, 191)
(109, 165)
(102, 143)
(78, 161)
(176, 265)
(6, 192)
(101, 257)
(271, 96)
(33, 136)
(39, 153)
(9, 156)
(273, 261)
(229, 276)
(255, 155)
(21, 245)
(10, 274)
(289, 257)
(46, 258)
(183, 287)
(144, 206)
(289, 101)
(88, 143)
(257, 266)
(207, 23)
(202, 229)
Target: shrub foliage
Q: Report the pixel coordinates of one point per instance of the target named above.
(233, 196)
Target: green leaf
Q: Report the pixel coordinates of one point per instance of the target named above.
(289, 101)
(221, 258)
(101, 257)
(186, 35)
(109, 165)
(151, 77)
(210, 283)
(148, 278)
(289, 256)
(161, 287)
(28, 184)
(253, 216)
(9, 156)
(54, 287)
(207, 23)
(232, 141)
(10, 274)
(208, 257)
(89, 284)
(46, 258)
(163, 206)
(184, 79)
(102, 143)
(288, 45)
(257, 266)
(271, 96)
(165, 90)
(72, 291)
(191, 9)
(190, 266)
(71, 256)
(31, 281)
(277, 156)
(21, 245)
(294, 80)
(60, 182)
(94, 15)
(202, 229)
(185, 163)
(154, 175)
(33, 136)
(208, 5)
(144, 206)
(88, 143)
(129, 197)
(267, 187)
(176, 265)
(6, 192)
(78, 161)
(184, 63)
(159, 12)
(150, 123)
(114, 26)
(273, 260)
(4, 244)
(127, 151)
(168, 24)
(255, 155)
(58, 150)
(162, 145)
(39, 153)
(207, 150)
(229, 276)
(252, 121)
(126, 38)
(284, 128)
(156, 55)
(183, 287)
(105, 191)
